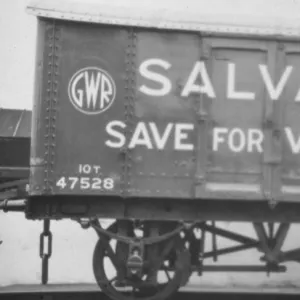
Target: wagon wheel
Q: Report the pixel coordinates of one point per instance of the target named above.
(167, 280)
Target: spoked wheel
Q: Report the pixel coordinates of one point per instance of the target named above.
(160, 277)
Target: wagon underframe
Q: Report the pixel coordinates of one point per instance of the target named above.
(198, 220)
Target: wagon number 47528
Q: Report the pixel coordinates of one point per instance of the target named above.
(85, 183)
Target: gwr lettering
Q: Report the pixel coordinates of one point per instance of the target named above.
(96, 89)
(199, 70)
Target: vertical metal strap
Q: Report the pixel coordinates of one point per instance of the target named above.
(273, 125)
(53, 36)
(278, 131)
(130, 86)
(268, 126)
(203, 121)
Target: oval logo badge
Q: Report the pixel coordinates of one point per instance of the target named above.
(92, 90)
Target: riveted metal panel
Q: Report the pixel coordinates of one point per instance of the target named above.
(162, 168)
(82, 140)
(233, 166)
(39, 155)
(75, 157)
(134, 112)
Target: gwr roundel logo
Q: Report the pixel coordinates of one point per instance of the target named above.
(92, 90)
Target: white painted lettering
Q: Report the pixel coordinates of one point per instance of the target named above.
(164, 81)
(217, 139)
(273, 91)
(97, 169)
(255, 139)
(77, 94)
(106, 91)
(111, 131)
(179, 136)
(231, 91)
(297, 99)
(238, 135)
(141, 137)
(91, 88)
(87, 169)
(192, 87)
(295, 145)
(160, 140)
(236, 139)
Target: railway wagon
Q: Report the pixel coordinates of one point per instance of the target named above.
(167, 119)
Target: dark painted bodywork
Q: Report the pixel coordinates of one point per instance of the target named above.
(63, 137)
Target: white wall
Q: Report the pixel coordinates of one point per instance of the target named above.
(71, 260)
(73, 246)
(17, 33)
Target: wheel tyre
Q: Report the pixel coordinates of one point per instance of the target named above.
(108, 289)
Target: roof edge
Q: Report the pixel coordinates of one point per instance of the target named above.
(162, 20)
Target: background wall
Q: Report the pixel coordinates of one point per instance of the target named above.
(17, 54)
(71, 261)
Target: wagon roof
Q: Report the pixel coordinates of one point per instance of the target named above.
(258, 17)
